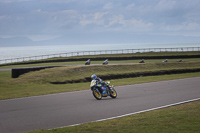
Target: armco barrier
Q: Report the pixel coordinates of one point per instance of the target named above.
(113, 58)
(16, 72)
(131, 75)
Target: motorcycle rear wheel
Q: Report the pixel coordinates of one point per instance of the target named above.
(113, 93)
(97, 94)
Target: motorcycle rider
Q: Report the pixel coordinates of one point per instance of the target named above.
(98, 80)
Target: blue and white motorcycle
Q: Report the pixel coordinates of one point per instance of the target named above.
(99, 90)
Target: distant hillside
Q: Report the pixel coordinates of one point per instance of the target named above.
(98, 38)
(15, 41)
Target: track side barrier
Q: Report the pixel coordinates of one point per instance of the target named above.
(111, 59)
(16, 72)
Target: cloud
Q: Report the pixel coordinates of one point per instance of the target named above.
(112, 22)
(59, 1)
(51, 18)
(120, 23)
(95, 18)
(108, 6)
(52, 1)
(165, 5)
(130, 6)
(11, 1)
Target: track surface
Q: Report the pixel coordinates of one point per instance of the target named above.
(57, 110)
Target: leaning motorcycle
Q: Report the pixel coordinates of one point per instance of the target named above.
(99, 90)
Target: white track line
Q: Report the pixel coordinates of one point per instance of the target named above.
(165, 106)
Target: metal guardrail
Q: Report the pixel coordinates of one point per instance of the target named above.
(82, 53)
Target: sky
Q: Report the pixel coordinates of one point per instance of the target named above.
(103, 21)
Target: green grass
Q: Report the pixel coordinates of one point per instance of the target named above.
(184, 118)
(62, 74)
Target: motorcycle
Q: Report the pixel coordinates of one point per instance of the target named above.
(87, 62)
(105, 62)
(99, 90)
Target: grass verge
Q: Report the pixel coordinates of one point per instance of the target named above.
(184, 118)
(63, 74)
(9, 89)
(39, 82)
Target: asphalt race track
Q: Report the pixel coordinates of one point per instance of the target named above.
(58, 110)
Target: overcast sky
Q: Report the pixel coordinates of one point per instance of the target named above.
(48, 19)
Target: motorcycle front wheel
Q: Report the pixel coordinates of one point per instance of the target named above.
(113, 92)
(97, 94)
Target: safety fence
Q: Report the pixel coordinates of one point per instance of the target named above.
(100, 52)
